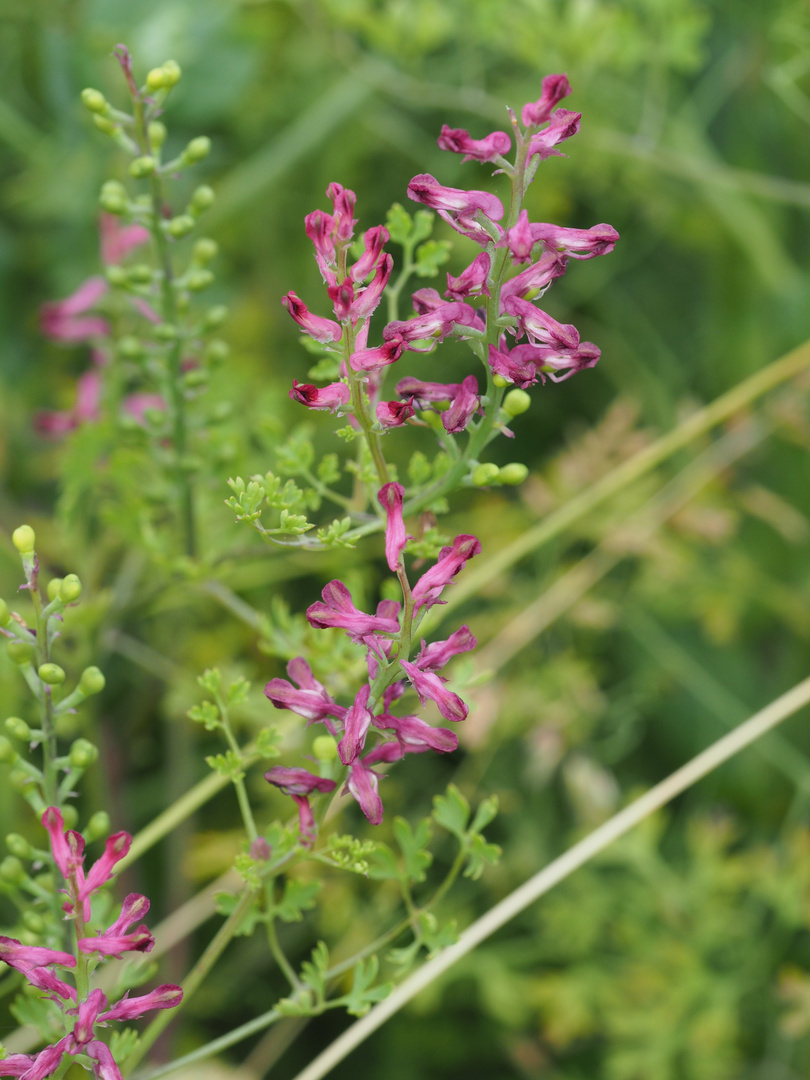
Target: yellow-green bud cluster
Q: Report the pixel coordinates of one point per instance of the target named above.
(164, 77)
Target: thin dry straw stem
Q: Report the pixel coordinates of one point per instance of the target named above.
(556, 871)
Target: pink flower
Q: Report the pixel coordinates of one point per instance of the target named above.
(65, 320)
(537, 277)
(429, 587)
(458, 141)
(166, 996)
(88, 398)
(519, 238)
(68, 854)
(433, 657)
(369, 262)
(472, 281)
(540, 327)
(118, 240)
(137, 406)
(355, 729)
(373, 360)
(415, 735)
(555, 88)
(115, 939)
(563, 125)
(461, 209)
(323, 330)
(434, 325)
(511, 365)
(298, 784)
(331, 397)
(429, 685)
(391, 497)
(578, 243)
(337, 610)
(362, 784)
(310, 701)
(464, 404)
(424, 393)
(343, 202)
(393, 414)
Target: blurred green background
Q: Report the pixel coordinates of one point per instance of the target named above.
(684, 953)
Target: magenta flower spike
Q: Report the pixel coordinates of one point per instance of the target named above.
(459, 208)
(458, 141)
(338, 610)
(332, 397)
(323, 330)
(391, 497)
(429, 686)
(355, 728)
(429, 587)
(555, 88)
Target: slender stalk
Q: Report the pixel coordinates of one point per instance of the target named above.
(561, 868)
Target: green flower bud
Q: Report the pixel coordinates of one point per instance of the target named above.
(197, 150)
(140, 274)
(53, 588)
(94, 100)
(117, 276)
(92, 681)
(205, 250)
(83, 754)
(197, 280)
(215, 317)
(516, 402)
(19, 846)
(500, 381)
(24, 539)
(70, 816)
(33, 923)
(18, 729)
(12, 870)
(171, 72)
(130, 348)
(217, 352)
(70, 589)
(112, 204)
(103, 123)
(51, 674)
(180, 226)
(156, 79)
(20, 779)
(5, 614)
(324, 748)
(142, 167)
(7, 752)
(157, 134)
(485, 474)
(513, 473)
(166, 332)
(113, 187)
(202, 199)
(21, 652)
(195, 377)
(97, 826)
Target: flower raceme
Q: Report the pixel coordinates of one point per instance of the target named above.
(35, 963)
(386, 637)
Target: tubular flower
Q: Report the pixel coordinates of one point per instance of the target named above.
(538, 326)
(299, 784)
(434, 325)
(66, 320)
(332, 397)
(563, 125)
(394, 413)
(429, 587)
(68, 854)
(323, 330)
(355, 728)
(337, 610)
(429, 685)
(577, 243)
(391, 497)
(464, 404)
(461, 209)
(310, 701)
(555, 88)
(362, 785)
(458, 141)
(472, 281)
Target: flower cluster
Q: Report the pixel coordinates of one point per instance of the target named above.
(386, 636)
(35, 963)
(483, 293)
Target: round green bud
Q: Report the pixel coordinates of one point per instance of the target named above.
(197, 150)
(24, 539)
(94, 100)
(17, 728)
(166, 332)
(156, 79)
(70, 816)
(34, 923)
(513, 473)
(19, 846)
(53, 588)
(5, 614)
(217, 352)
(97, 826)
(205, 250)
(140, 274)
(130, 347)
(142, 167)
(51, 674)
(112, 204)
(83, 754)
(516, 402)
(103, 123)
(70, 589)
(12, 870)
(195, 377)
(157, 134)
(325, 748)
(197, 280)
(180, 226)
(113, 187)
(20, 779)
(117, 276)
(92, 681)
(500, 381)
(21, 652)
(7, 752)
(215, 317)
(171, 72)
(202, 199)
(485, 474)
